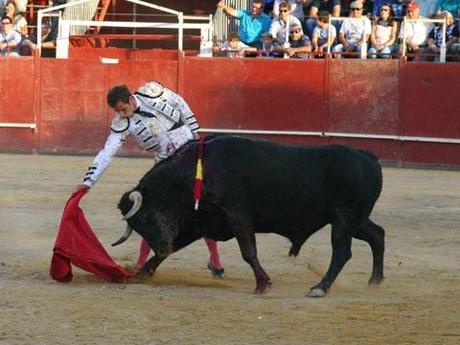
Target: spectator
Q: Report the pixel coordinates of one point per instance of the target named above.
(281, 25)
(48, 40)
(321, 37)
(19, 22)
(299, 45)
(331, 6)
(435, 37)
(268, 46)
(354, 32)
(235, 48)
(416, 32)
(398, 7)
(9, 38)
(297, 8)
(252, 23)
(453, 6)
(383, 36)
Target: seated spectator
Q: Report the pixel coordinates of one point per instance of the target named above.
(253, 23)
(383, 35)
(435, 37)
(268, 46)
(398, 7)
(234, 48)
(416, 32)
(299, 45)
(296, 8)
(354, 32)
(9, 38)
(19, 22)
(48, 40)
(333, 7)
(281, 25)
(321, 37)
(453, 6)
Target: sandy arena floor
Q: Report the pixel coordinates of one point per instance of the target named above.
(418, 303)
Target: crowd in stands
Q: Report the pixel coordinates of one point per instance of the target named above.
(367, 29)
(15, 39)
(299, 29)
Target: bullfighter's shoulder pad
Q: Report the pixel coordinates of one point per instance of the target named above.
(119, 124)
(152, 89)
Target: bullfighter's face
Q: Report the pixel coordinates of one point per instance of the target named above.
(126, 110)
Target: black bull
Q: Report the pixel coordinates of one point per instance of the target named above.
(252, 186)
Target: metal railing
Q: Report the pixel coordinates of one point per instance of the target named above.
(442, 50)
(65, 25)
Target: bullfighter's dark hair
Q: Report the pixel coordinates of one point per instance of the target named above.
(119, 93)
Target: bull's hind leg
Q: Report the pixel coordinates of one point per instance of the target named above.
(341, 253)
(375, 236)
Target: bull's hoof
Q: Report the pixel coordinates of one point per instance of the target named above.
(316, 292)
(375, 280)
(144, 274)
(217, 273)
(263, 287)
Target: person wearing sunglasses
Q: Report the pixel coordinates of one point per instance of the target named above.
(383, 36)
(354, 32)
(299, 44)
(297, 8)
(253, 23)
(281, 25)
(10, 39)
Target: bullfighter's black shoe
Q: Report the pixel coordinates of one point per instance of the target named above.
(218, 273)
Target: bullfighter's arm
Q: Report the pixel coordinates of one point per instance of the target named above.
(104, 157)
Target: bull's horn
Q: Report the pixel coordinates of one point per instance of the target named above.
(135, 197)
(125, 236)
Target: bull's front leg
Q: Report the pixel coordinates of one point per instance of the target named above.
(247, 242)
(181, 241)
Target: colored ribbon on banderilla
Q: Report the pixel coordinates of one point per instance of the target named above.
(197, 190)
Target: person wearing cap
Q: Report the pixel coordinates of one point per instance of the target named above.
(268, 46)
(434, 41)
(281, 25)
(414, 34)
(252, 23)
(354, 32)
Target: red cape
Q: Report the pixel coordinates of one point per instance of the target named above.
(76, 243)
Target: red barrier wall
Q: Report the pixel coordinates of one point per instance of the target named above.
(66, 98)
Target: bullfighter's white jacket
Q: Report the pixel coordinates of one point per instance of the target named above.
(162, 123)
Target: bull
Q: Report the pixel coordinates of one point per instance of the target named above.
(256, 186)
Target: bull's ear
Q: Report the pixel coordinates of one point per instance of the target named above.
(136, 197)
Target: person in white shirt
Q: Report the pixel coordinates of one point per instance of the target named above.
(354, 32)
(161, 122)
(280, 27)
(297, 8)
(9, 38)
(414, 34)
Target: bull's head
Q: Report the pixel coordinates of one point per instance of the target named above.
(143, 219)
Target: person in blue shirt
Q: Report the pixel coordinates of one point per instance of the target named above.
(253, 23)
